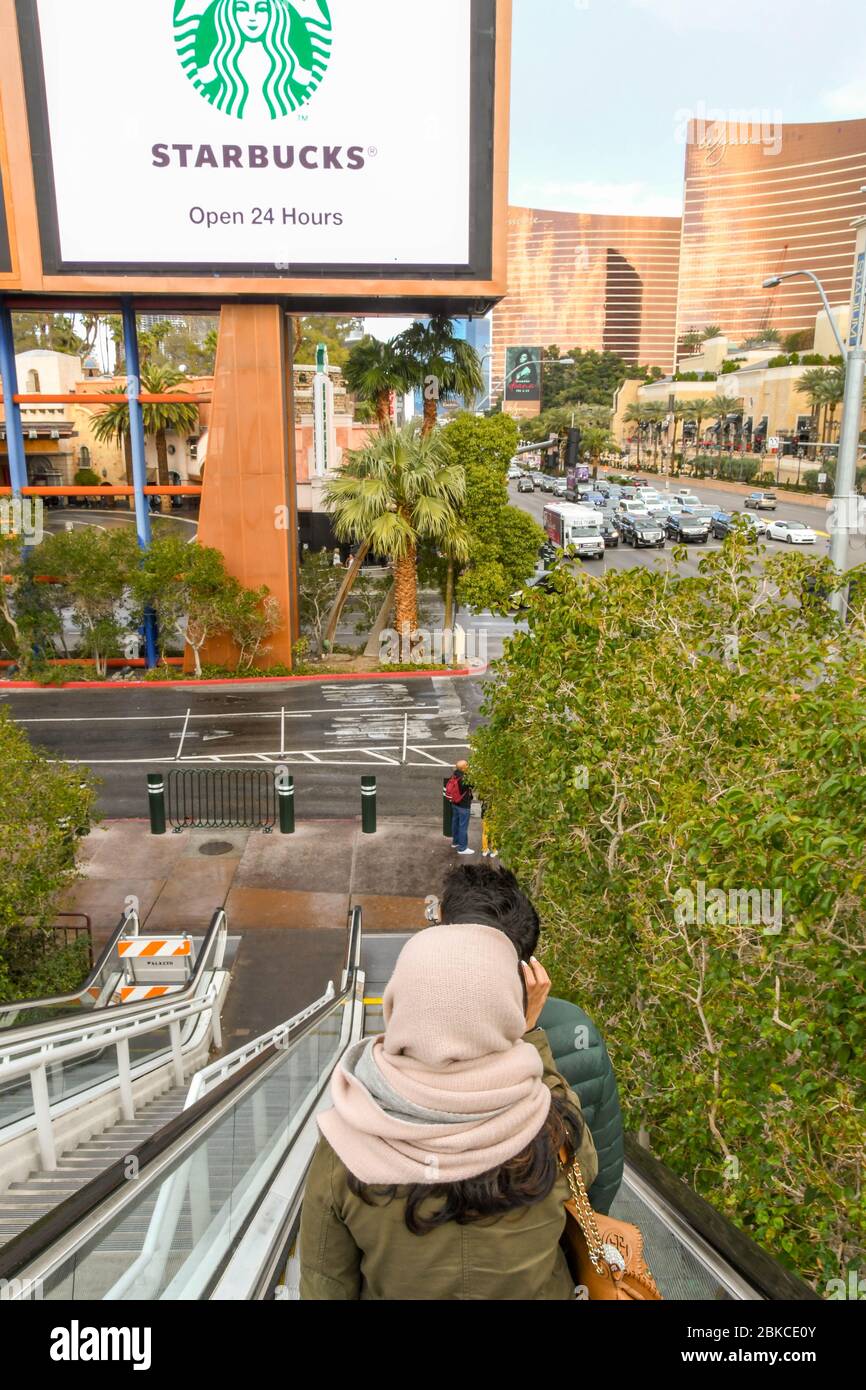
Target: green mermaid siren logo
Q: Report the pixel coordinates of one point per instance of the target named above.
(278, 48)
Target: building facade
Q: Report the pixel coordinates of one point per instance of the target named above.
(759, 202)
(589, 281)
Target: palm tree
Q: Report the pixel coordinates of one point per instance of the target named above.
(441, 364)
(402, 488)
(814, 384)
(697, 410)
(374, 370)
(654, 414)
(112, 424)
(720, 408)
(635, 414)
(711, 330)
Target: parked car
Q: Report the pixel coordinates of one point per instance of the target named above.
(594, 499)
(526, 484)
(609, 532)
(548, 483)
(720, 524)
(561, 489)
(793, 532)
(686, 498)
(688, 529)
(640, 530)
(761, 501)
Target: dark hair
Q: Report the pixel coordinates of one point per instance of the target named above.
(523, 1181)
(491, 897)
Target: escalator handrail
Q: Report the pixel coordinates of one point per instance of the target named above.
(128, 925)
(210, 957)
(37, 1240)
(107, 1033)
(224, 1066)
(758, 1268)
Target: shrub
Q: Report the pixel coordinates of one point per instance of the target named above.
(649, 734)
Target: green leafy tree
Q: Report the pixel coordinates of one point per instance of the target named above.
(319, 582)
(94, 568)
(400, 490)
(651, 734)
(502, 541)
(333, 331)
(196, 600)
(593, 378)
(45, 808)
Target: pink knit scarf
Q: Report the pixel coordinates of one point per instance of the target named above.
(451, 1090)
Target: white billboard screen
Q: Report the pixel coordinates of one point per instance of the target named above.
(262, 137)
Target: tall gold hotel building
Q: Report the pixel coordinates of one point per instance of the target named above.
(757, 202)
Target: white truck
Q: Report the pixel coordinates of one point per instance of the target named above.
(574, 528)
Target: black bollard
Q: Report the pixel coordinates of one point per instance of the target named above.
(368, 805)
(286, 801)
(156, 802)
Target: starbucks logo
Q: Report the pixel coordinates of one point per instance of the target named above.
(254, 57)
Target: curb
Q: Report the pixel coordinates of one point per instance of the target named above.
(253, 680)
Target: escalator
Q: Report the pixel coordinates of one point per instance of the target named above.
(215, 1211)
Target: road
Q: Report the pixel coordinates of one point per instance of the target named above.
(109, 519)
(408, 733)
(625, 557)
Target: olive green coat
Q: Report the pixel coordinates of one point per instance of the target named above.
(351, 1251)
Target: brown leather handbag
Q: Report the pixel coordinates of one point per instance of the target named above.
(605, 1256)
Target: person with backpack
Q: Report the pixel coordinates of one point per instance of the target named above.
(459, 793)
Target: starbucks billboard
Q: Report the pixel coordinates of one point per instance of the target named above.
(266, 139)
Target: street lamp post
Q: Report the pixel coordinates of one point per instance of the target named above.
(854, 358)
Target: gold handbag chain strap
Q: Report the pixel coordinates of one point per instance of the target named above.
(586, 1216)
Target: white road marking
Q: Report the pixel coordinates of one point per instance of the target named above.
(183, 735)
(321, 757)
(422, 752)
(172, 718)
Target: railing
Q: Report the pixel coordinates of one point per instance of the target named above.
(205, 1180)
(70, 1057)
(62, 934)
(230, 799)
(90, 993)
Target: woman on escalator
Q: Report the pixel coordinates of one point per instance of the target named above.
(439, 1171)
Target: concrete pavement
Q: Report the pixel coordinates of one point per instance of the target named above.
(287, 898)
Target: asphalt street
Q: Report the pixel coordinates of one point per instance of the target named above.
(407, 733)
(110, 518)
(625, 557)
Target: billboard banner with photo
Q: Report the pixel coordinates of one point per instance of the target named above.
(263, 138)
(523, 374)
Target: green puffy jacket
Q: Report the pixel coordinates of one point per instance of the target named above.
(582, 1059)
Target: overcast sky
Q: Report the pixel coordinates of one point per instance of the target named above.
(600, 87)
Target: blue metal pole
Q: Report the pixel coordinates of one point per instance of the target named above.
(14, 432)
(139, 461)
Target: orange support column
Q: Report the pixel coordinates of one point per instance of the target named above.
(249, 502)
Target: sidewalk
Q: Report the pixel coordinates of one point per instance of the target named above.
(665, 481)
(286, 897)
